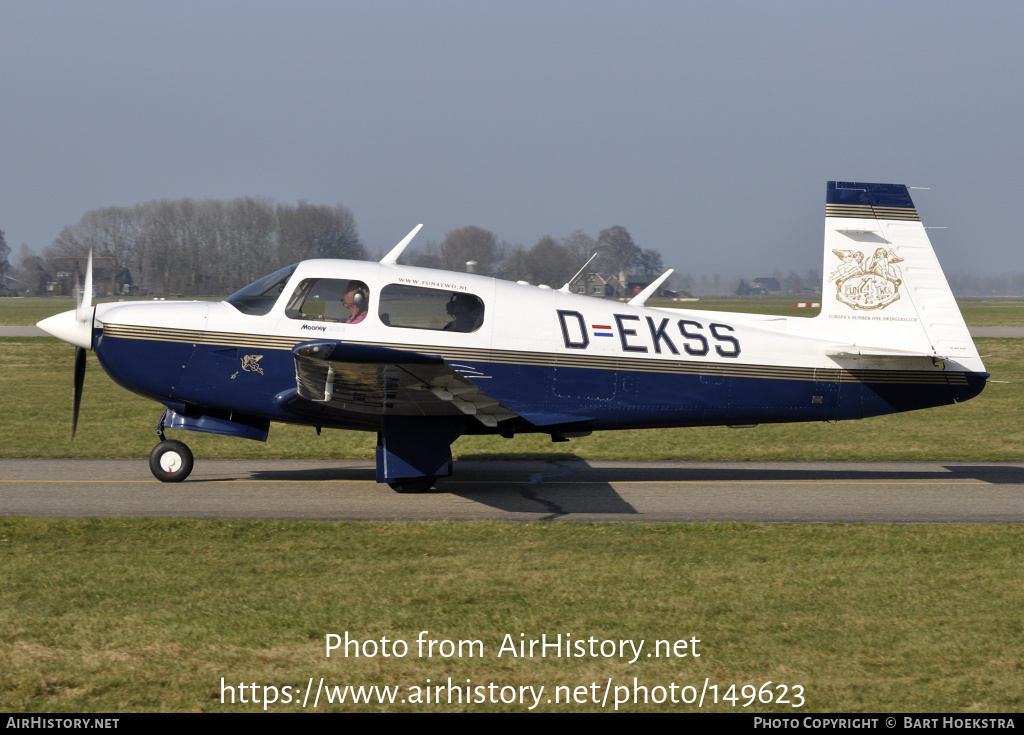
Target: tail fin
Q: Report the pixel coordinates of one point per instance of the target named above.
(883, 288)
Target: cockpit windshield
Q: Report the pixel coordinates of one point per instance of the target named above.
(257, 299)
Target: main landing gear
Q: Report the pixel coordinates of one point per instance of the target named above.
(414, 451)
(417, 485)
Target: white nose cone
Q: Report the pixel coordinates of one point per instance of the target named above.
(66, 327)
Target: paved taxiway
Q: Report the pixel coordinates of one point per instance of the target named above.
(802, 492)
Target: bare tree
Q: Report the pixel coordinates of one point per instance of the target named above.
(551, 263)
(648, 262)
(249, 242)
(516, 266)
(428, 257)
(5, 252)
(580, 246)
(34, 273)
(469, 243)
(317, 231)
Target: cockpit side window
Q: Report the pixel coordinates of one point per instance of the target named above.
(329, 300)
(257, 299)
(415, 307)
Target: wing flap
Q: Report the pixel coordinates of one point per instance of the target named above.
(365, 379)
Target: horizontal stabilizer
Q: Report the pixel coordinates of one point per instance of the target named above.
(869, 352)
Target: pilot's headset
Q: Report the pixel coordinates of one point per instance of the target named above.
(360, 295)
(457, 298)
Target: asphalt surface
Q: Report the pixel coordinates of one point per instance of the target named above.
(797, 492)
(1011, 332)
(22, 332)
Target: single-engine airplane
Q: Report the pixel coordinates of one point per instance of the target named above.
(423, 356)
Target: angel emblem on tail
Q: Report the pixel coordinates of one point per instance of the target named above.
(867, 282)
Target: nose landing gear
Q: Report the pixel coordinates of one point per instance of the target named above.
(170, 460)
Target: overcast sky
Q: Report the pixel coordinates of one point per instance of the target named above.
(708, 130)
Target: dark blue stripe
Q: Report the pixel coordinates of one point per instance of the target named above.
(875, 195)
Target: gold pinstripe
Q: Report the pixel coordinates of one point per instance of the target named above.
(199, 337)
(866, 211)
(562, 360)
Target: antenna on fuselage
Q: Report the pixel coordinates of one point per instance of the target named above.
(392, 257)
(641, 298)
(565, 288)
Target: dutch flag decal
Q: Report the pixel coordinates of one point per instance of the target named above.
(602, 330)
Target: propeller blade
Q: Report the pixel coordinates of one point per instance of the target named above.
(79, 381)
(85, 308)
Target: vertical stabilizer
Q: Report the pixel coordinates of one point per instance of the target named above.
(882, 285)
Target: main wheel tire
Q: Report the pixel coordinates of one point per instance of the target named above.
(418, 485)
(170, 461)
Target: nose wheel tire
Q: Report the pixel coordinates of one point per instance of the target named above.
(170, 461)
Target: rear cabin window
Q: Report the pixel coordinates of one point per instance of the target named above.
(329, 300)
(415, 307)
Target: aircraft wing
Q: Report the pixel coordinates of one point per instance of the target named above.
(346, 379)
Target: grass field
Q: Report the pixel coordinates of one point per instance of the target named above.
(25, 311)
(116, 615)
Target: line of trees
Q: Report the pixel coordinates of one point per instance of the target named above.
(214, 247)
(550, 261)
(194, 248)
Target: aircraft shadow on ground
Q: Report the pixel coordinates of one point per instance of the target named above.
(571, 486)
(513, 486)
(995, 474)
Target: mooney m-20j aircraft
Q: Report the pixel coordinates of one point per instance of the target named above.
(423, 356)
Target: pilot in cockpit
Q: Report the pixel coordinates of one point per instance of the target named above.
(356, 300)
(468, 313)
